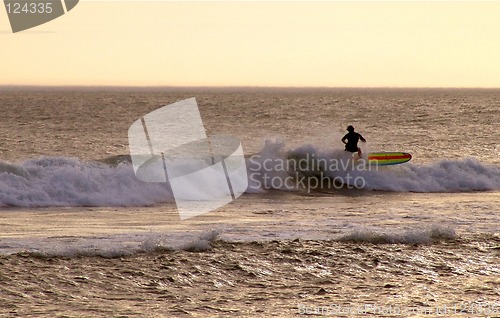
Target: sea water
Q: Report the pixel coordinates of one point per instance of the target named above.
(78, 230)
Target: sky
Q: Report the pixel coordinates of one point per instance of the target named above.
(233, 43)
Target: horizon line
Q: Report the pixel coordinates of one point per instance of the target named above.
(139, 87)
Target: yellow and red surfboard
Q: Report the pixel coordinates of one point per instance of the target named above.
(388, 158)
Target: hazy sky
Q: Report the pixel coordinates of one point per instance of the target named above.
(403, 44)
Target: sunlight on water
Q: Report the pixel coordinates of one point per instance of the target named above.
(79, 230)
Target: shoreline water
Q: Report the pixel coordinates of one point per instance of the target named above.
(255, 279)
(369, 217)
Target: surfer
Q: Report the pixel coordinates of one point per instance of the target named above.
(351, 140)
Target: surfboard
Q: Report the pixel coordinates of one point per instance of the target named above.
(388, 158)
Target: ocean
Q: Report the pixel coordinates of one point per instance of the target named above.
(81, 236)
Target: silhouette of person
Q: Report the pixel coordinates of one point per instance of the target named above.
(351, 140)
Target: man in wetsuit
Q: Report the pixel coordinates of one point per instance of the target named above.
(351, 140)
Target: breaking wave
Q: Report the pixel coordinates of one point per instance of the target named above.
(310, 168)
(420, 236)
(112, 246)
(59, 181)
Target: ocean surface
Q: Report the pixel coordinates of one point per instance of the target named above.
(81, 236)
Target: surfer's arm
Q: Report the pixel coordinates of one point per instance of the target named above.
(362, 139)
(344, 139)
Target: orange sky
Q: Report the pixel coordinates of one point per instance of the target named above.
(395, 44)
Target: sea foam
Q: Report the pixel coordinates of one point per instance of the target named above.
(462, 175)
(112, 246)
(418, 236)
(59, 181)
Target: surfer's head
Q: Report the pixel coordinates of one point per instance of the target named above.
(350, 128)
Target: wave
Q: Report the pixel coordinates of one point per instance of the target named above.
(421, 236)
(59, 181)
(129, 244)
(310, 168)
(65, 182)
(112, 246)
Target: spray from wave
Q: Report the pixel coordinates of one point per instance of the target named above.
(113, 246)
(56, 181)
(60, 181)
(419, 236)
(310, 168)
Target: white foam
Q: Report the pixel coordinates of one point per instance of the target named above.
(111, 245)
(193, 243)
(257, 167)
(466, 174)
(59, 181)
(419, 236)
(462, 175)
(62, 181)
(198, 241)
